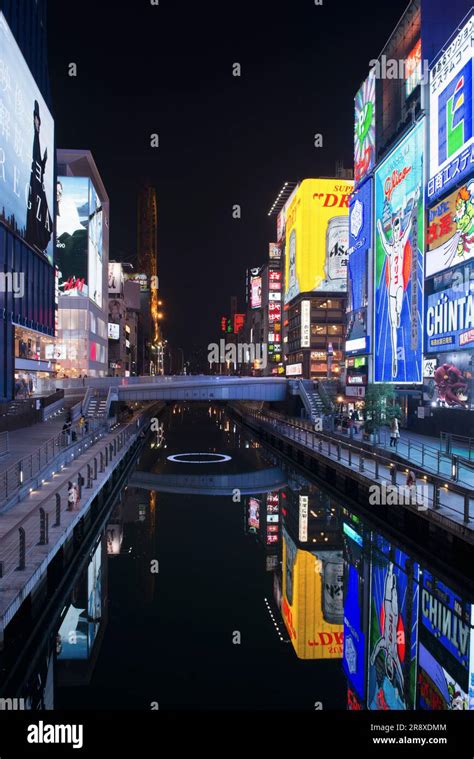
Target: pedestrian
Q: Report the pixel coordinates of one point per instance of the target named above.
(411, 479)
(77, 497)
(70, 496)
(82, 424)
(394, 432)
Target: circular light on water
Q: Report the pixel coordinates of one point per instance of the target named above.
(199, 458)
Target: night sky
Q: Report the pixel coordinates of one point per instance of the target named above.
(224, 140)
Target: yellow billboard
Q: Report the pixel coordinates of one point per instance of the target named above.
(312, 604)
(317, 237)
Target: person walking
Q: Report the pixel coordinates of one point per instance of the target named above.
(70, 496)
(82, 424)
(394, 432)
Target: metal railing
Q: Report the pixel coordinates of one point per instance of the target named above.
(372, 464)
(4, 443)
(24, 470)
(43, 525)
(460, 445)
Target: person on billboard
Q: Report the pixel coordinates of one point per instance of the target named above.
(395, 255)
(39, 224)
(388, 641)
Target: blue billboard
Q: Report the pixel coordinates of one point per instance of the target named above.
(450, 319)
(26, 150)
(360, 244)
(353, 658)
(398, 262)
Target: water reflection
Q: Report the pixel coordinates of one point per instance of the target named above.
(328, 607)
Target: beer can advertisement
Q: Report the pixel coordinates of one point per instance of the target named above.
(393, 628)
(317, 237)
(451, 114)
(312, 605)
(398, 266)
(364, 130)
(450, 231)
(26, 150)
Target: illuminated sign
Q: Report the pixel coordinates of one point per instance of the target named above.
(226, 324)
(413, 69)
(450, 319)
(353, 659)
(274, 251)
(393, 629)
(398, 269)
(317, 237)
(26, 150)
(360, 245)
(292, 370)
(79, 238)
(253, 520)
(450, 233)
(255, 292)
(142, 280)
(451, 114)
(280, 225)
(115, 278)
(436, 688)
(274, 312)
(303, 519)
(446, 617)
(429, 367)
(312, 604)
(305, 323)
(364, 130)
(239, 321)
(113, 331)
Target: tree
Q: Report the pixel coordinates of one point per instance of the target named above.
(380, 407)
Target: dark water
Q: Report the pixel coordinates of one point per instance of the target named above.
(239, 600)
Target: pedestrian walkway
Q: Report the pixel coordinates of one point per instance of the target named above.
(442, 501)
(27, 440)
(32, 532)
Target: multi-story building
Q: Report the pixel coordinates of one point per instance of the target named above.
(124, 309)
(27, 205)
(82, 253)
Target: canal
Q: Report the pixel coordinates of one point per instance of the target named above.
(225, 579)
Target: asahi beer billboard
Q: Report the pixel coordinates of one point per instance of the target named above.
(398, 267)
(26, 150)
(317, 237)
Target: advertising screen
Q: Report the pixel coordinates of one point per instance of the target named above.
(360, 244)
(436, 688)
(72, 224)
(312, 605)
(450, 319)
(253, 519)
(95, 262)
(26, 150)
(317, 237)
(354, 655)
(79, 221)
(113, 331)
(451, 114)
(255, 292)
(398, 266)
(364, 130)
(450, 232)
(449, 381)
(142, 280)
(115, 278)
(393, 629)
(445, 646)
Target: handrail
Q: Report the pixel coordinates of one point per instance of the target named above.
(4, 443)
(25, 469)
(39, 522)
(355, 455)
